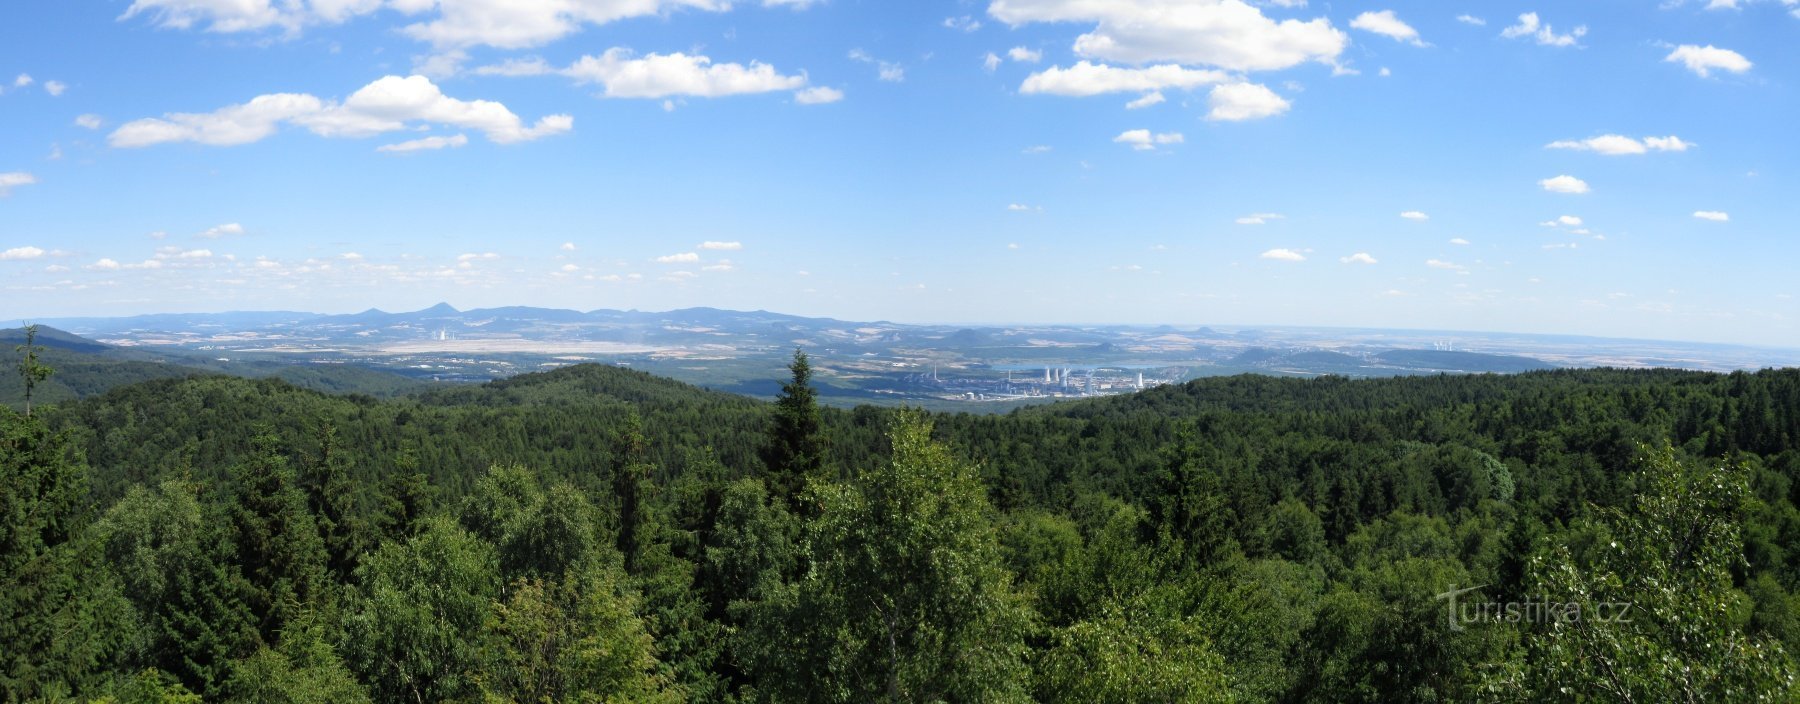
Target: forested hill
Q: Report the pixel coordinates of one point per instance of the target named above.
(87, 368)
(596, 532)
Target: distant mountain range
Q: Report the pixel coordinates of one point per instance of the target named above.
(979, 367)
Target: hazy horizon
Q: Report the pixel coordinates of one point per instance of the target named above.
(1569, 170)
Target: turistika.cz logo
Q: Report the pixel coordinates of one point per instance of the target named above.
(1463, 611)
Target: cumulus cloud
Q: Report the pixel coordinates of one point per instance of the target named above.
(1024, 55)
(55, 88)
(1259, 218)
(1459, 241)
(990, 62)
(1441, 264)
(1145, 101)
(964, 23)
(567, 247)
(680, 258)
(885, 70)
(1358, 258)
(1713, 215)
(1471, 19)
(446, 24)
(1244, 101)
(388, 104)
(1087, 78)
(1229, 34)
(12, 179)
(727, 246)
(1284, 255)
(1564, 184)
(1569, 220)
(230, 229)
(818, 95)
(623, 74)
(1703, 60)
(425, 144)
(24, 79)
(1530, 26)
(1143, 140)
(1415, 216)
(21, 253)
(472, 256)
(88, 121)
(1620, 145)
(1386, 24)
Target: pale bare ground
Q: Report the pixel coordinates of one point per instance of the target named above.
(518, 345)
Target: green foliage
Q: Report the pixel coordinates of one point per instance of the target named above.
(63, 623)
(1659, 618)
(597, 534)
(906, 599)
(795, 451)
(414, 630)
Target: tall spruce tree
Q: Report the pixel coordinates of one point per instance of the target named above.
(796, 448)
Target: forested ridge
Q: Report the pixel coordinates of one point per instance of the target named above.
(600, 534)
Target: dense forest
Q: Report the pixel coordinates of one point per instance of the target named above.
(599, 534)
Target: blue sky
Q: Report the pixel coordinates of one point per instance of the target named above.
(1605, 168)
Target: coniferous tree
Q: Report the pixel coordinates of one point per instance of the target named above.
(795, 450)
(31, 371)
(278, 544)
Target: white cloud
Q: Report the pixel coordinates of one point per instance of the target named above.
(1702, 60)
(55, 88)
(1244, 101)
(1036, 149)
(818, 95)
(1564, 184)
(1147, 100)
(351, 256)
(1259, 218)
(624, 75)
(1022, 208)
(88, 121)
(1620, 145)
(386, 105)
(473, 256)
(12, 179)
(1415, 216)
(1386, 24)
(1569, 220)
(991, 62)
(1713, 215)
(23, 80)
(1471, 19)
(964, 23)
(1530, 26)
(517, 24)
(424, 143)
(1285, 255)
(1459, 241)
(230, 229)
(1229, 34)
(517, 67)
(567, 247)
(103, 264)
(885, 70)
(1024, 55)
(1358, 258)
(727, 246)
(21, 254)
(681, 258)
(1085, 78)
(1441, 264)
(570, 268)
(721, 266)
(1143, 140)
